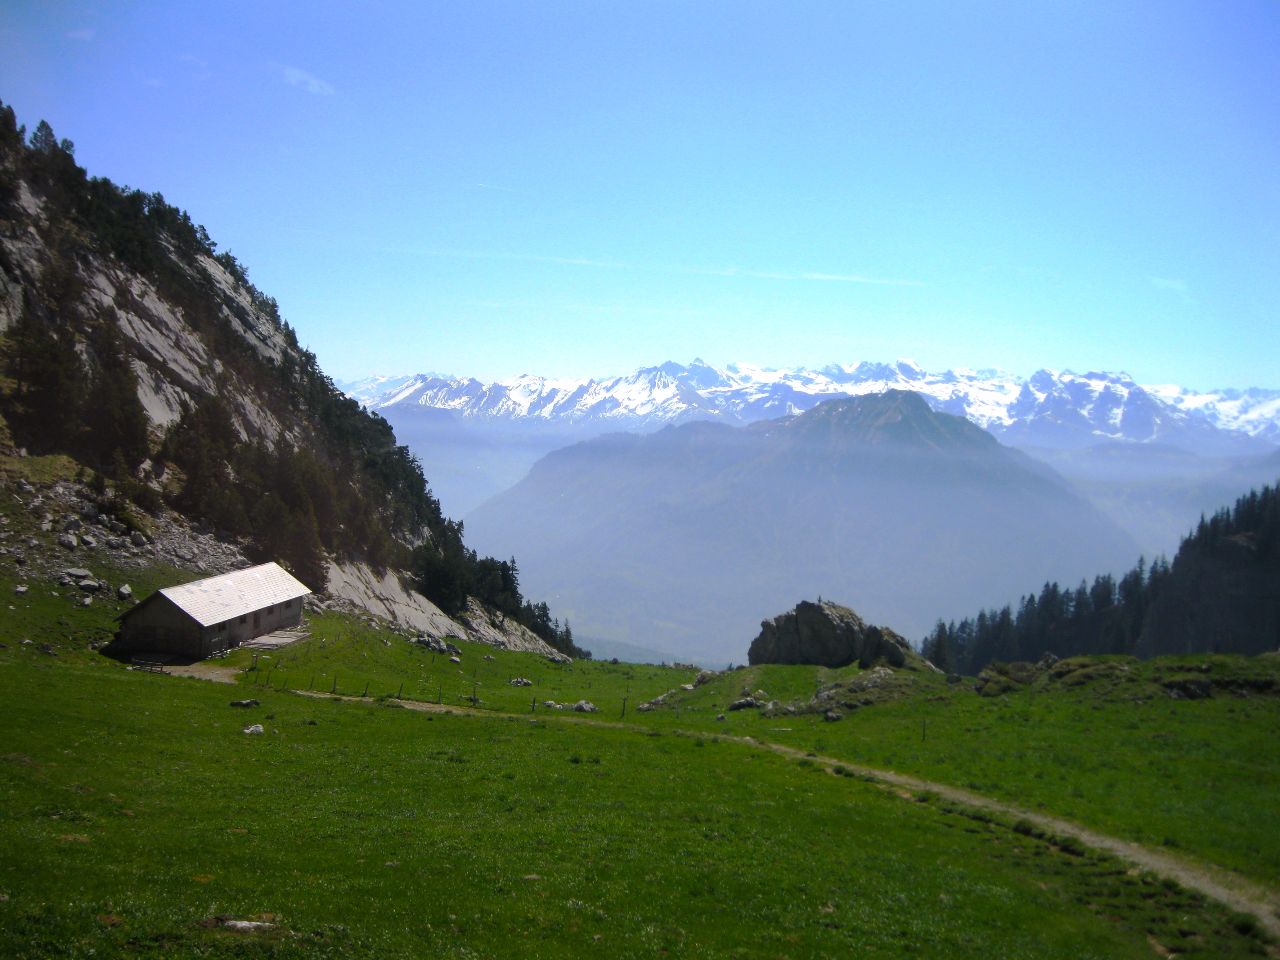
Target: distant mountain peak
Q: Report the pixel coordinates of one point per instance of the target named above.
(1055, 408)
(894, 418)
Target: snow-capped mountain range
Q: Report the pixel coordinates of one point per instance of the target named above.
(1049, 408)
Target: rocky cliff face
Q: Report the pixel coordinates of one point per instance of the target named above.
(386, 596)
(828, 635)
(173, 363)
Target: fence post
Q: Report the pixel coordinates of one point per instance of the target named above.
(334, 688)
(366, 690)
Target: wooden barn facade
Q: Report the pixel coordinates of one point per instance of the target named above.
(212, 615)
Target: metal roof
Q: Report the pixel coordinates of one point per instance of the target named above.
(215, 599)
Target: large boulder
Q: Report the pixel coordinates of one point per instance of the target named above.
(828, 635)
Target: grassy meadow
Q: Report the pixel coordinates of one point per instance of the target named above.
(137, 813)
(1196, 777)
(137, 816)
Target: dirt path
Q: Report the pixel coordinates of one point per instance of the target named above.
(204, 670)
(1236, 892)
(1228, 888)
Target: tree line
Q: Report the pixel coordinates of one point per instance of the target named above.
(1146, 610)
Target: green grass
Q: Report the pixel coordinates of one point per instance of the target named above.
(1197, 777)
(136, 811)
(345, 656)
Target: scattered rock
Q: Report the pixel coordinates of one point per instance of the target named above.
(521, 682)
(125, 592)
(1189, 688)
(68, 540)
(744, 703)
(703, 678)
(993, 684)
(245, 703)
(246, 926)
(584, 706)
(71, 525)
(455, 659)
(137, 539)
(831, 716)
(20, 589)
(686, 686)
(88, 540)
(255, 728)
(89, 585)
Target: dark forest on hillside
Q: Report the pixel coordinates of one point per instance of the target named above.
(1221, 594)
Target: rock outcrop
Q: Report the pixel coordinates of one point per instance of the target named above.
(828, 635)
(387, 597)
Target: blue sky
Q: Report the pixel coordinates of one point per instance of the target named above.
(582, 188)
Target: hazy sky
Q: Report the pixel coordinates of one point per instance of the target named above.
(583, 188)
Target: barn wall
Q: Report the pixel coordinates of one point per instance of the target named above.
(159, 626)
(240, 630)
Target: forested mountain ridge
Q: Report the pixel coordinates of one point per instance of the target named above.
(1221, 594)
(135, 346)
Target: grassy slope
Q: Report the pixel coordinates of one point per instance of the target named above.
(1199, 777)
(354, 655)
(135, 809)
